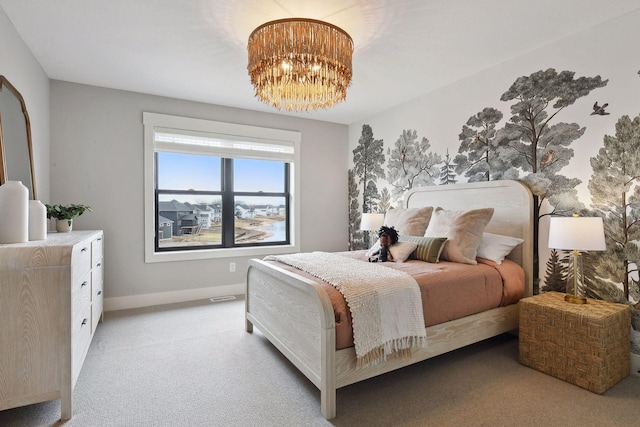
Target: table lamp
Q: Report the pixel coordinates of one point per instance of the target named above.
(576, 234)
(371, 222)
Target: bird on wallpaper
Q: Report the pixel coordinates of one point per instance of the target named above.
(547, 159)
(599, 109)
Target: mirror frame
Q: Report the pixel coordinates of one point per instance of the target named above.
(4, 83)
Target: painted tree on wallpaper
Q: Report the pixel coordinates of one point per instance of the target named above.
(477, 155)
(411, 164)
(368, 157)
(447, 171)
(384, 203)
(532, 143)
(615, 190)
(536, 145)
(356, 239)
(556, 273)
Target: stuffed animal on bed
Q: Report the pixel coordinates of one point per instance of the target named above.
(387, 236)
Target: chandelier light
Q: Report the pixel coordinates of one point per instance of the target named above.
(300, 64)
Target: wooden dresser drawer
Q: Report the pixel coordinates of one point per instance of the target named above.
(97, 274)
(97, 295)
(96, 251)
(81, 259)
(96, 311)
(80, 295)
(80, 339)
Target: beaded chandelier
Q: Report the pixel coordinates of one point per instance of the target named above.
(300, 64)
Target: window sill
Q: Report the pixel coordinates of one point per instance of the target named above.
(218, 253)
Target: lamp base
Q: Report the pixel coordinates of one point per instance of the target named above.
(575, 300)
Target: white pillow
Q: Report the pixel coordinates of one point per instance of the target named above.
(496, 247)
(400, 251)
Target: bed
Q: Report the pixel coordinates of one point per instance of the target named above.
(296, 315)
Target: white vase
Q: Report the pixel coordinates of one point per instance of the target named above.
(64, 225)
(37, 220)
(635, 364)
(14, 212)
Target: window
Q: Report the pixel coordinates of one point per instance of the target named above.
(217, 189)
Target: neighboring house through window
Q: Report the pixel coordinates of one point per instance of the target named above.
(215, 189)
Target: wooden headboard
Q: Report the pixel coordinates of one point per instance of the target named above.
(513, 215)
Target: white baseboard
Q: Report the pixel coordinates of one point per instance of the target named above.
(136, 301)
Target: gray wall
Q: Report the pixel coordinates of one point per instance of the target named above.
(19, 66)
(97, 159)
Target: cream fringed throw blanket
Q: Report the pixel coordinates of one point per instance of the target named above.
(385, 304)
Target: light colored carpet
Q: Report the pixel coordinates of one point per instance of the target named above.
(193, 364)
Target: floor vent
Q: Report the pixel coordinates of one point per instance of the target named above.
(223, 298)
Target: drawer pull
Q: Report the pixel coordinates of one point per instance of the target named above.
(99, 292)
(83, 284)
(98, 264)
(84, 322)
(99, 238)
(84, 250)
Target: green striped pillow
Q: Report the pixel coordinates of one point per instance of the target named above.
(429, 248)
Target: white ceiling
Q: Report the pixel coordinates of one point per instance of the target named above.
(196, 49)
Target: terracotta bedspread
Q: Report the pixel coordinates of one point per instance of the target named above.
(449, 290)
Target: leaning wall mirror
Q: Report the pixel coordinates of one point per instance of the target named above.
(16, 151)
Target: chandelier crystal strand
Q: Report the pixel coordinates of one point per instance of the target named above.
(300, 64)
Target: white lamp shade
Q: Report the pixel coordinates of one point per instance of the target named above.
(371, 221)
(577, 233)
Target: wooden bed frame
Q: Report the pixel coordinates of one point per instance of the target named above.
(296, 315)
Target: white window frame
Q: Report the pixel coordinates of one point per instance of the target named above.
(153, 123)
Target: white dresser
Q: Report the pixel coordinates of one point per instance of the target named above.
(51, 299)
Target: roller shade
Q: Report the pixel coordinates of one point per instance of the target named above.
(227, 146)
(228, 140)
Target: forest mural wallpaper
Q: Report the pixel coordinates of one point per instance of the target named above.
(530, 137)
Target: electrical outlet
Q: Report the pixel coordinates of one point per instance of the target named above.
(232, 267)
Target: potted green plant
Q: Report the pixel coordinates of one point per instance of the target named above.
(64, 215)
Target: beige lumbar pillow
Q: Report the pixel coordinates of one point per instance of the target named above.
(427, 248)
(409, 221)
(463, 230)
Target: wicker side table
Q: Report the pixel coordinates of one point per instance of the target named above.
(587, 345)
